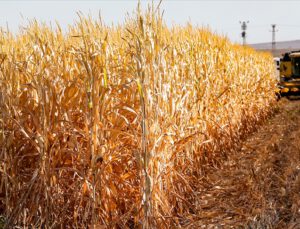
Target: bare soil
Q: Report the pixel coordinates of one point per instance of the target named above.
(259, 185)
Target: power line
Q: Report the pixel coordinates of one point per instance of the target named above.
(289, 25)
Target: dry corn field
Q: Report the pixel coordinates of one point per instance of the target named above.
(116, 126)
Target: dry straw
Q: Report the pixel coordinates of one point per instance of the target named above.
(112, 126)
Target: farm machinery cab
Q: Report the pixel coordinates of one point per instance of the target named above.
(289, 74)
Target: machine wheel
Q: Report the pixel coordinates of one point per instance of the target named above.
(278, 96)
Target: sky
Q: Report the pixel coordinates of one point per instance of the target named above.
(222, 16)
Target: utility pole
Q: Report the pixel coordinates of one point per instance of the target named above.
(273, 37)
(244, 28)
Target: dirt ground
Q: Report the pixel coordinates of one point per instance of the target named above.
(258, 186)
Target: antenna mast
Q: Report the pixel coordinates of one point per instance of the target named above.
(244, 28)
(273, 37)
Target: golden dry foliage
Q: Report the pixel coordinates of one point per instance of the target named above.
(112, 126)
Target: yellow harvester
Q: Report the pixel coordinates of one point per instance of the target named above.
(289, 74)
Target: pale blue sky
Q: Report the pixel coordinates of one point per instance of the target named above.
(221, 16)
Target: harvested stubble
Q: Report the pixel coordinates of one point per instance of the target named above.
(113, 126)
